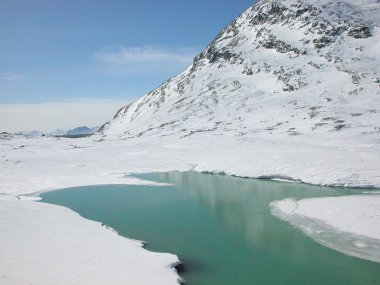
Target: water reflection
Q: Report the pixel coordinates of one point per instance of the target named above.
(221, 227)
(243, 207)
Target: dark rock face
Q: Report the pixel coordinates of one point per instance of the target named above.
(214, 55)
(322, 42)
(279, 46)
(359, 32)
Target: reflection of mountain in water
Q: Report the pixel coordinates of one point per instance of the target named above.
(243, 205)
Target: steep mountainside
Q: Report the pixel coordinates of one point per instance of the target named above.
(286, 68)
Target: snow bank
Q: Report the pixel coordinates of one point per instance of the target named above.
(41, 164)
(350, 224)
(30, 165)
(46, 244)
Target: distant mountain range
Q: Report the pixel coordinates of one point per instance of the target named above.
(79, 131)
(82, 131)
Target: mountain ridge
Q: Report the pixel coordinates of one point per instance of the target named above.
(312, 63)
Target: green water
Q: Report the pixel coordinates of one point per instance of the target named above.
(221, 228)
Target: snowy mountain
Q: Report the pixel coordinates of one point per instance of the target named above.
(81, 131)
(281, 69)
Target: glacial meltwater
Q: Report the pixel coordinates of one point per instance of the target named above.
(221, 228)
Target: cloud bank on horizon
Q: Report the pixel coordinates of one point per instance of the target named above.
(67, 115)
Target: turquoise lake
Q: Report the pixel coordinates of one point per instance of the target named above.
(221, 228)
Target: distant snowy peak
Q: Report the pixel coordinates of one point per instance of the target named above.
(283, 67)
(82, 131)
(79, 131)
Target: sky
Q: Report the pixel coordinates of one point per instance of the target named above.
(57, 55)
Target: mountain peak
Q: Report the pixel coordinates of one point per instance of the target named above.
(285, 68)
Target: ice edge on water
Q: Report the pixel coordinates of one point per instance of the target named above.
(348, 243)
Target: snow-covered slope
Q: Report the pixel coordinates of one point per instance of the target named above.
(283, 68)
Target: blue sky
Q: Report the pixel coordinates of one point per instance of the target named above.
(84, 50)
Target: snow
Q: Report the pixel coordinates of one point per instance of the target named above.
(30, 165)
(317, 94)
(350, 224)
(364, 212)
(46, 244)
(263, 100)
(48, 163)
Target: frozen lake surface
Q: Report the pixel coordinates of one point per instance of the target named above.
(221, 227)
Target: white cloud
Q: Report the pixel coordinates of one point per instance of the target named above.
(9, 76)
(146, 54)
(50, 116)
(144, 60)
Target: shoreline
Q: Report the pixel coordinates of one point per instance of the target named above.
(33, 240)
(332, 222)
(46, 164)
